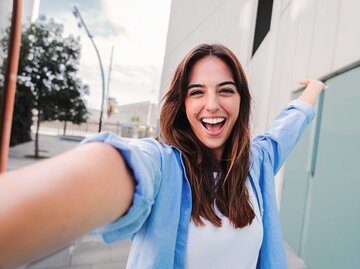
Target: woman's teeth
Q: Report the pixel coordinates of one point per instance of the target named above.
(213, 120)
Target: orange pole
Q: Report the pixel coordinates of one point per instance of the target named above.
(8, 94)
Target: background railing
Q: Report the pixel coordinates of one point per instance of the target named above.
(91, 128)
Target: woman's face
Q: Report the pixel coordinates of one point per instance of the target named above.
(212, 103)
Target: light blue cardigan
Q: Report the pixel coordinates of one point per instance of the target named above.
(158, 219)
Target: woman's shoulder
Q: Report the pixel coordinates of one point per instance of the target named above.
(147, 144)
(155, 145)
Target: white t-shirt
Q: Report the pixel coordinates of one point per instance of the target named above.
(226, 247)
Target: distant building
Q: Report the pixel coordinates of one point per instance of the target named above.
(133, 120)
(142, 113)
(130, 113)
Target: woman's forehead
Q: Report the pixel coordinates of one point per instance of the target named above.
(210, 71)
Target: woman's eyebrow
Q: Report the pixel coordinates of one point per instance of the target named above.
(195, 86)
(226, 83)
(203, 86)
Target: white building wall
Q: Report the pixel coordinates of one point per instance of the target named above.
(5, 14)
(195, 22)
(30, 10)
(307, 39)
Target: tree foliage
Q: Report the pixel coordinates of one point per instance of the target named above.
(22, 116)
(135, 119)
(47, 76)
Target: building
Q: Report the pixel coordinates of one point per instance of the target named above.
(279, 43)
(30, 11)
(142, 113)
(5, 14)
(139, 113)
(130, 120)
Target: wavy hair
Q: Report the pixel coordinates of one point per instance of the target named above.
(229, 193)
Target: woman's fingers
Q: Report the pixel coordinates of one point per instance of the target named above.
(304, 82)
(313, 83)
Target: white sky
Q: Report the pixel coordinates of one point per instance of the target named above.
(136, 28)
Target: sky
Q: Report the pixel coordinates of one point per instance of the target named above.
(137, 30)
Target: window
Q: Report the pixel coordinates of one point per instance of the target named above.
(263, 21)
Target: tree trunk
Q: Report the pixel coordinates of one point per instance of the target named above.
(65, 125)
(37, 137)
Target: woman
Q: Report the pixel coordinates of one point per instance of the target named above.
(202, 198)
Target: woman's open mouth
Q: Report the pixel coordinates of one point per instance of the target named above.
(213, 126)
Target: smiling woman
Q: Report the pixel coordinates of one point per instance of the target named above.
(213, 89)
(212, 103)
(203, 197)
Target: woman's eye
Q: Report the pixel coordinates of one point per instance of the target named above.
(227, 91)
(195, 92)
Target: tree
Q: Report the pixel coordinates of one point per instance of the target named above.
(70, 105)
(22, 117)
(135, 119)
(48, 70)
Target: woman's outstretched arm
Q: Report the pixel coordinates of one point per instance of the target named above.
(289, 125)
(49, 204)
(312, 91)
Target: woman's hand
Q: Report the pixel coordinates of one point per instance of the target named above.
(313, 83)
(313, 88)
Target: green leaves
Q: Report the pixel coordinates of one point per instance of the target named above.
(47, 78)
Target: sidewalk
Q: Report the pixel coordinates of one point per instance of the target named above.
(88, 252)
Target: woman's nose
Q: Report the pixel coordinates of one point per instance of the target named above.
(212, 102)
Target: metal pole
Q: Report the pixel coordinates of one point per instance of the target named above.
(77, 14)
(8, 95)
(109, 79)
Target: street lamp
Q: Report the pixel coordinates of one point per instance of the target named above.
(77, 15)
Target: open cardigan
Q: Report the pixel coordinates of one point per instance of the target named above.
(159, 216)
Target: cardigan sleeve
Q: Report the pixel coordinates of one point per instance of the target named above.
(144, 160)
(284, 132)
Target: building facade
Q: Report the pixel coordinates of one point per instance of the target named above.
(30, 11)
(5, 15)
(279, 43)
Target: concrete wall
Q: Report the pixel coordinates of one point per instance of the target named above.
(5, 14)
(307, 39)
(195, 22)
(147, 112)
(30, 11)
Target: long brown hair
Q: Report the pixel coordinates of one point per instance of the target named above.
(230, 194)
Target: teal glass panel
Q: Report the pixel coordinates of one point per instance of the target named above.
(331, 237)
(294, 191)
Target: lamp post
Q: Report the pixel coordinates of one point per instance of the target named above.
(108, 83)
(77, 14)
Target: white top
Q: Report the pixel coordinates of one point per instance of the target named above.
(226, 247)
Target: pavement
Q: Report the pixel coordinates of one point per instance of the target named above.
(88, 252)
